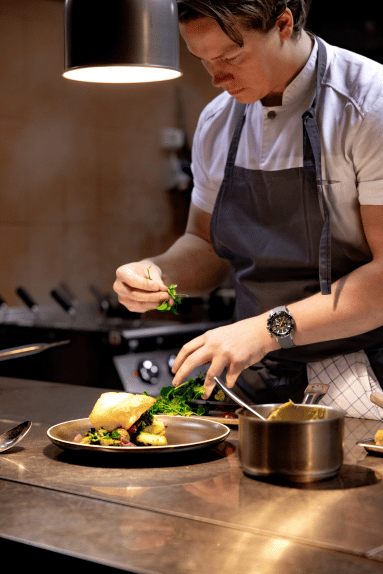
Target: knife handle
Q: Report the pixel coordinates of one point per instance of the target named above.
(63, 302)
(66, 291)
(25, 296)
(102, 299)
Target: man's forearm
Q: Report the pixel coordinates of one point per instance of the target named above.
(192, 264)
(354, 307)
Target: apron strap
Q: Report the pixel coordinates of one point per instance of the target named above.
(312, 162)
(235, 139)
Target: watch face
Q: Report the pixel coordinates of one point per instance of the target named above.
(280, 324)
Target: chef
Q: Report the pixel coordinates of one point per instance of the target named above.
(288, 197)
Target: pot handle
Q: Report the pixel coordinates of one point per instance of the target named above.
(313, 392)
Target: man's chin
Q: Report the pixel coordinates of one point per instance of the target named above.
(243, 97)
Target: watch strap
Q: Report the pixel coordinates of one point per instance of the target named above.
(286, 342)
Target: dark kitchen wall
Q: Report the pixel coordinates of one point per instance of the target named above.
(82, 187)
(358, 28)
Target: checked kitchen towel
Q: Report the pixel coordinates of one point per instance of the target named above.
(351, 381)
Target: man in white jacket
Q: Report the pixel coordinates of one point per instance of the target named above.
(288, 196)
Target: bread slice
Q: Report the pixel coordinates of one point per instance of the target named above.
(115, 409)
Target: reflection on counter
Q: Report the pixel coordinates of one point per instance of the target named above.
(197, 499)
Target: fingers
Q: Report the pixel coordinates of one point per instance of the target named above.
(139, 287)
(231, 347)
(216, 369)
(197, 353)
(190, 356)
(140, 300)
(141, 276)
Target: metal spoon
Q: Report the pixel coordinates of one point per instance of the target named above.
(237, 399)
(25, 350)
(14, 435)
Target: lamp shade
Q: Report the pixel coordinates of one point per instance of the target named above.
(118, 41)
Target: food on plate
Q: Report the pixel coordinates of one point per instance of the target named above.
(152, 439)
(185, 400)
(229, 416)
(123, 419)
(114, 409)
(180, 400)
(379, 438)
(291, 412)
(219, 395)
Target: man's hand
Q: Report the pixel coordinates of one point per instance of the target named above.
(235, 346)
(139, 286)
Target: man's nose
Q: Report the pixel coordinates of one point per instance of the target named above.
(217, 72)
(220, 79)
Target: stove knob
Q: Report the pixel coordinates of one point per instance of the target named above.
(171, 360)
(148, 371)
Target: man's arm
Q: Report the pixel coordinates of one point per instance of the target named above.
(190, 263)
(356, 303)
(355, 306)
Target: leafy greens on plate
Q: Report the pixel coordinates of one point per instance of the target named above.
(181, 400)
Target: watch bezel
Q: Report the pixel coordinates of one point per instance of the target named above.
(273, 317)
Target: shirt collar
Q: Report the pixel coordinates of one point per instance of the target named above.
(300, 90)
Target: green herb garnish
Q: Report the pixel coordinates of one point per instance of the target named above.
(220, 395)
(179, 400)
(165, 305)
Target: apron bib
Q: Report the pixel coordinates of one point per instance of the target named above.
(274, 228)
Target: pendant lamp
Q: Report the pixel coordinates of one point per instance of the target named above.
(121, 41)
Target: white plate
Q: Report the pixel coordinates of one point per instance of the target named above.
(370, 446)
(183, 434)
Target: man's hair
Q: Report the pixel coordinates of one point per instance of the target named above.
(252, 14)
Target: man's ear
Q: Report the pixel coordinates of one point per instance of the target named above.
(285, 24)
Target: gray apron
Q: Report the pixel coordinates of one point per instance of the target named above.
(274, 228)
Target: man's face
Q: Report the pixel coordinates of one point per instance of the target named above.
(248, 73)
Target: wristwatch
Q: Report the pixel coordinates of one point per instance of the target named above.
(280, 325)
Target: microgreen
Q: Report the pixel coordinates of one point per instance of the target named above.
(179, 400)
(176, 297)
(220, 395)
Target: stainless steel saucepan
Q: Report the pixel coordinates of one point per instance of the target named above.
(294, 450)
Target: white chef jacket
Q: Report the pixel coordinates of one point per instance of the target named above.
(350, 120)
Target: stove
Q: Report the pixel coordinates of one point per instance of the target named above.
(133, 354)
(147, 367)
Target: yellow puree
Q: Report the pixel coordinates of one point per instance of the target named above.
(291, 412)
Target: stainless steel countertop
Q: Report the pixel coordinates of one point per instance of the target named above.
(184, 512)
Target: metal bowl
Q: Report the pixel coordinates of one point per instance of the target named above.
(297, 451)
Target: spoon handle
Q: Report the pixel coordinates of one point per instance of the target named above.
(25, 350)
(237, 399)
